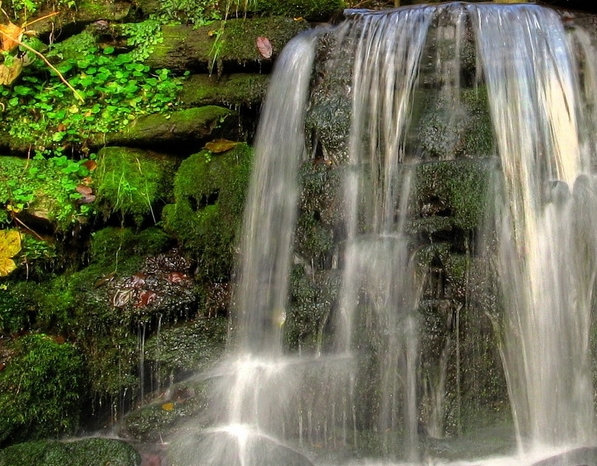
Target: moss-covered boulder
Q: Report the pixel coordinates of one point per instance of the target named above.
(450, 196)
(133, 182)
(42, 385)
(241, 89)
(177, 131)
(177, 352)
(230, 42)
(450, 126)
(86, 452)
(165, 418)
(209, 191)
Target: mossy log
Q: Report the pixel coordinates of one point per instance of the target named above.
(187, 129)
(186, 48)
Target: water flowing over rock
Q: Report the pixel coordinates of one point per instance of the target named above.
(417, 259)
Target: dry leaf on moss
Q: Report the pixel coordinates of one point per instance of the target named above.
(10, 36)
(10, 245)
(217, 146)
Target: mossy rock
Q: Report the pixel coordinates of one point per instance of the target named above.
(192, 346)
(219, 447)
(86, 452)
(450, 194)
(165, 418)
(80, 306)
(133, 182)
(313, 10)
(448, 126)
(321, 213)
(185, 48)
(242, 89)
(312, 301)
(41, 389)
(176, 131)
(209, 191)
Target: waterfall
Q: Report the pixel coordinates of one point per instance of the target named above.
(546, 253)
(359, 389)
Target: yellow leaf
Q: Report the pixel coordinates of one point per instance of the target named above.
(218, 146)
(7, 265)
(10, 243)
(168, 406)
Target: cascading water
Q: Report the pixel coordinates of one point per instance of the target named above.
(546, 252)
(365, 386)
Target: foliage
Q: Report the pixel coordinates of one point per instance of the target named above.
(142, 37)
(26, 8)
(48, 184)
(196, 12)
(41, 111)
(40, 389)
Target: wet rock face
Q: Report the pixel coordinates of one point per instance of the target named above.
(449, 154)
(162, 287)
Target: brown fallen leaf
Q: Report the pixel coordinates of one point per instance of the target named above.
(11, 35)
(217, 146)
(265, 47)
(84, 190)
(90, 165)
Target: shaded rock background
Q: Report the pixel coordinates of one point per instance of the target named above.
(129, 222)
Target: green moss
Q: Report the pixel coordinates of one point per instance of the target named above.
(444, 128)
(451, 193)
(132, 182)
(310, 9)
(209, 190)
(110, 246)
(193, 346)
(177, 129)
(86, 452)
(40, 389)
(236, 89)
(78, 305)
(320, 213)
